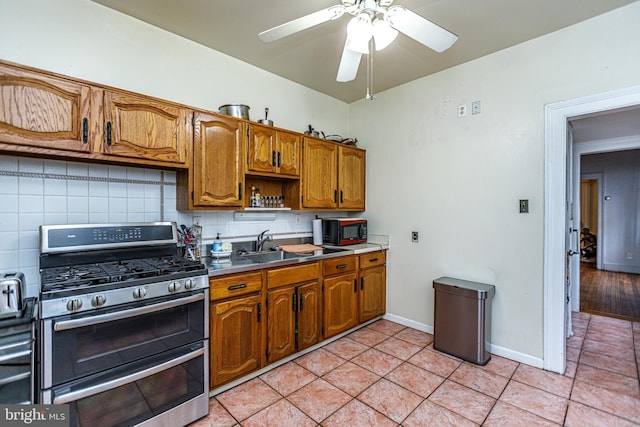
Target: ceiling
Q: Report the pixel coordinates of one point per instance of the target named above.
(311, 57)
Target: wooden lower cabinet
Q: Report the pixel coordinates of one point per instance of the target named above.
(293, 319)
(340, 295)
(373, 285)
(294, 309)
(237, 327)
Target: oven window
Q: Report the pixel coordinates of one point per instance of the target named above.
(89, 349)
(137, 401)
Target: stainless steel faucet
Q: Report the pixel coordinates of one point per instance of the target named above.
(261, 240)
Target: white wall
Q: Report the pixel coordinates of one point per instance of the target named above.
(82, 39)
(619, 239)
(458, 180)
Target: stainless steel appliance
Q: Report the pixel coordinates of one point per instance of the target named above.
(12, 292)
(17, 334)
(344, 231)
(124, 325)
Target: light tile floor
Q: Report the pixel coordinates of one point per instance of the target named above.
(386, 374)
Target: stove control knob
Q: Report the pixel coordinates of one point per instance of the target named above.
(174, 286)
(189, 284)
(98, 300)
(139, 293)
(74, 304)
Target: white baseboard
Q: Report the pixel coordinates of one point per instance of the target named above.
(517, 356)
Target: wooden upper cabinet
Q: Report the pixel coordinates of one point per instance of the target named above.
(351, 178)
(217, 175)
(43, 111)
(288, 157)
(273, 151)
(141, 127)
(320, 177)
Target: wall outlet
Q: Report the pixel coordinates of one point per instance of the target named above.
(297, 218)
(524, 205)
(462, 110)
(629, 255)
(414, 236)
(197, 219)
(475, 107)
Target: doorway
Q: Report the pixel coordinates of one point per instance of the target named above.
(557, 158)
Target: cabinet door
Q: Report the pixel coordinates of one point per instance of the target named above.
(309, 315)
(235, 338)
(320, 178)
(351, 178)
(340, 304)
(41, 111)
(288, 153)
(262, 149)
(141, 127)
(372, 292)
(281, 338)
(218, 175)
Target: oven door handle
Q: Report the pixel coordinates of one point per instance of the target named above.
(64, 325)
(109, 385)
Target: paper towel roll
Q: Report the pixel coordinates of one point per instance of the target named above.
(317, 231)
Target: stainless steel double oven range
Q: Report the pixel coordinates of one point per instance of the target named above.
(123, 330)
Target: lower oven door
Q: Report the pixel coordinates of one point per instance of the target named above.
(169, 389)
(79, 345)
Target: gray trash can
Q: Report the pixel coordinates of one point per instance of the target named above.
(462, 324)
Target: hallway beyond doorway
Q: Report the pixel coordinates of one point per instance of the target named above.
(609, 293)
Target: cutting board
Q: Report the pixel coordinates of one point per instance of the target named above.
(300, 248)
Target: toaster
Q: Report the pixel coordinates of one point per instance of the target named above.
(12, 292)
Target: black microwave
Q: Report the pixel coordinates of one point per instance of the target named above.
(344, 231)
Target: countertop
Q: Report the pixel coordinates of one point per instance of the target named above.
(236, 263)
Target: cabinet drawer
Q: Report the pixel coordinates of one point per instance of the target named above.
(290, 275)
(371, 259)
(237, 284)
(340, 265)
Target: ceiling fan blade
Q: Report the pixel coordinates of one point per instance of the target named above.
(420, 29)
(348, 65)
(302, 23)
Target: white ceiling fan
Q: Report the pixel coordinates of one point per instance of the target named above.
(374, 22)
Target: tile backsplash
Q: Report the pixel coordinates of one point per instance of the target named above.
(36, 192)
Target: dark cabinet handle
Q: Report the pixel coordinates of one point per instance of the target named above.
(239, 191)
(301, 302)
(341, 196)
(355, 286)
(335, 196)
(259, 312)
(85, 130)
(109, 134)
(279, 159)
(234, 287)
(273, 158)
(294, 303)
(341, 266)
(373, 260)
(362, 283)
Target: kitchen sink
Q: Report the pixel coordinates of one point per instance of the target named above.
(270, 256)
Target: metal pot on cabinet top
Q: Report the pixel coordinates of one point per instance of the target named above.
(236, 110)
(266, 120)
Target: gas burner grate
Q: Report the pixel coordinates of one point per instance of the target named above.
(86, 275)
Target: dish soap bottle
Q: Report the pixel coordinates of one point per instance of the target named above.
(217, 244)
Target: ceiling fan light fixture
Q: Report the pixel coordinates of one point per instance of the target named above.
(383, 34)
(358, 45)
(359, 28)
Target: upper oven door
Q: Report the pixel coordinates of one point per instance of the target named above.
(79, 345)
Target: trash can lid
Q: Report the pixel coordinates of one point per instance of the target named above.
(466, 287)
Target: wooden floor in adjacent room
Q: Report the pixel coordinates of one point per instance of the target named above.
(609, 293)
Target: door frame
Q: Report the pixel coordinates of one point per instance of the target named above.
(555, 197)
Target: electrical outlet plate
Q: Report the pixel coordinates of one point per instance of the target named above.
(462, 110)
(414, 236)
(475, 107)
(524, 205)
